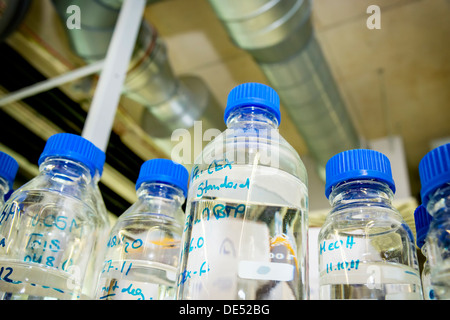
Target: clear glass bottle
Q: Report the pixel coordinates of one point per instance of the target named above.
(49, 224)
(245, 234)
(143, 249)
(366, 250)
(8, 171)
(434, 171)
(103, 229)
(422, 220)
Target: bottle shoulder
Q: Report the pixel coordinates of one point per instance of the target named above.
(154, 212)
(364, 216)
(44, 189)
(364, 209)
(137, 222)
(59, 183)
(249, 147)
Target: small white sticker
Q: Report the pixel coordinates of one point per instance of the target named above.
(266, 270)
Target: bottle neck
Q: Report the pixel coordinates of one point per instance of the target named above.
(253, 117)
(4, 188)
(96, 178)
(66, 171)
(161, 198)
(365, 192)
(439, 202)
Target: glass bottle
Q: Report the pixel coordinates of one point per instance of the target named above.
(245, 235)
(8, 171)
(103, 229)
(366, 250)
(434, 171)
(49, 224)
(422, 220)
(143, 250)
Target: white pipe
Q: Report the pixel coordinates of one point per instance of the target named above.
(100, 119)
(51, 83)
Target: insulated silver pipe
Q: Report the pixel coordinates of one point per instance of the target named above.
(170, 102)
(279, 35)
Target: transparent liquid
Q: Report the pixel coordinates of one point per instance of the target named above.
(136, 280)
(24, 281)
(49, 230)
(236, 250)
(440, 282)
(373, 281)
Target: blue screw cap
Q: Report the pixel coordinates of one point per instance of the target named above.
(165, 171)
(8, 168)
(253, 94)
(99, 161)
(422, 220)
(358, 164)
(434, 171)
(76, 148)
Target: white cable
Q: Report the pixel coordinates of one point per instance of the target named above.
(51, 83)
(100, 119)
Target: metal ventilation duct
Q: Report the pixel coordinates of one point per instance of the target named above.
(171, 103)
(279, 35)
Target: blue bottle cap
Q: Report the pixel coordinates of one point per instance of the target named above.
(434, 171)
(8, 168)
(165, 171)
(76, 148)
(253, 94)
(422, 220)
(358, 164)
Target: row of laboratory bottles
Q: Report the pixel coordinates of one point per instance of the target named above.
(244, 232)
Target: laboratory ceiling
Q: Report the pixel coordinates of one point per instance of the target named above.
(395, 80)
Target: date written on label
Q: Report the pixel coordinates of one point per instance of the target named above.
(342, 265)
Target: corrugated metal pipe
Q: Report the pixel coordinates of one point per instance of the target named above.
(280, 37)
(170, 102)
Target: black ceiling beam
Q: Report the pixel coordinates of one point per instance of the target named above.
(17, 73)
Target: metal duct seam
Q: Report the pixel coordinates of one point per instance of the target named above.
(280, 37)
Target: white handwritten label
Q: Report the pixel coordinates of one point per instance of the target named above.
(245, 183)
(345, 254)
